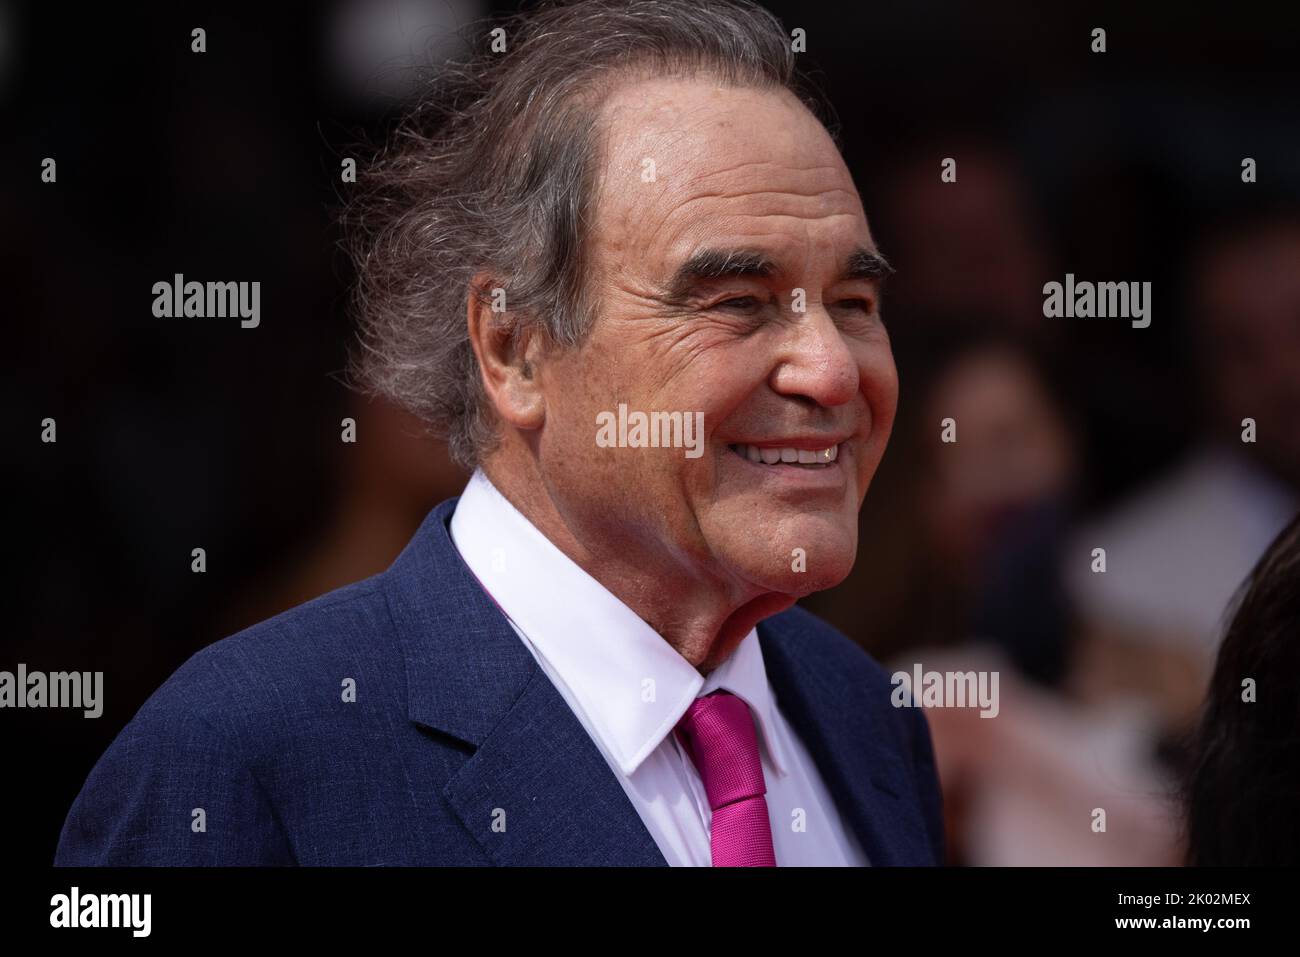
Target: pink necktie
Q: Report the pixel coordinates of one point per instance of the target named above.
(717, 731)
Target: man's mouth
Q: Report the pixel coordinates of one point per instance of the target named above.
(787, 456)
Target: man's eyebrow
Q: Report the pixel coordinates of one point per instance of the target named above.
(862, 263)
(865, 263)
(717, 264)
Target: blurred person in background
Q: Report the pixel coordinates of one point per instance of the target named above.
(981, 231)
(1142, 633)
(1177, 550)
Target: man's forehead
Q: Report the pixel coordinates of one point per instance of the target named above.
(690, 162)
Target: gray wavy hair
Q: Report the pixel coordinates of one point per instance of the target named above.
(494, 172)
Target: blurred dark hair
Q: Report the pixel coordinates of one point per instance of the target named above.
(1242, 785)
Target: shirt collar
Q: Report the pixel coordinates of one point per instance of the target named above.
(631, 686)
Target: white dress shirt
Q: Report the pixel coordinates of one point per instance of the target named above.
(629, 687)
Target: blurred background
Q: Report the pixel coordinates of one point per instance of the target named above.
(1074, 434)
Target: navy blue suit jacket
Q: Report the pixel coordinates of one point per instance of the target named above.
(453, 718)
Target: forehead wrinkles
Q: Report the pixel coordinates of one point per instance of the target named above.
(765, 191)
(788, 209)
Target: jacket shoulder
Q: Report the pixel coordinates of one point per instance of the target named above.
(179, 784)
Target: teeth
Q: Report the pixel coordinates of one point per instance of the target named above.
(772, 456)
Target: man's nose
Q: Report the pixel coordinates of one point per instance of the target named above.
(815, 361)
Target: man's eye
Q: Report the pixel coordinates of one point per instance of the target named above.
(739, 302)
(862, 304)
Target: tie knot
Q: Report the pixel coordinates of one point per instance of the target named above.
(717, 732)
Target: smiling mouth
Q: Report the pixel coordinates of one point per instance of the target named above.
(797, 458)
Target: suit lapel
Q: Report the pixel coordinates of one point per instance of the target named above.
(537, 790)
(833, 718)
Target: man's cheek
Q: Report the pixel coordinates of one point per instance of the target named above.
(882, 394)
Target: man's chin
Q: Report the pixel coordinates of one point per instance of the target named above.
(802, 570)
(827, 577)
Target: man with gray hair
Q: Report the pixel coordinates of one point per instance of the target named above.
(622, 267)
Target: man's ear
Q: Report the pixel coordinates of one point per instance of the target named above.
(507, 356)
